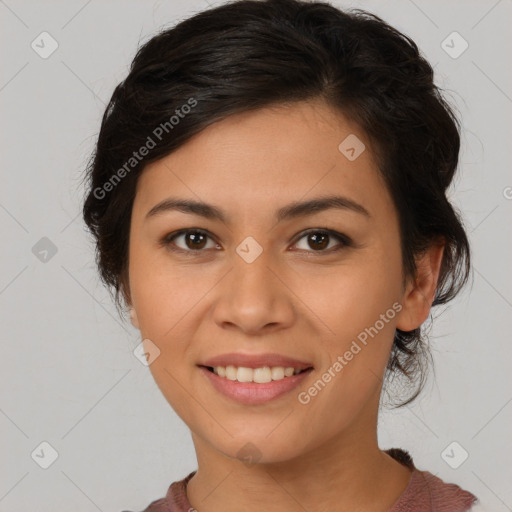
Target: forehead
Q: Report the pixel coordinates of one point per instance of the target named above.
(271, 156)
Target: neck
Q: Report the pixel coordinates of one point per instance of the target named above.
(345, 473)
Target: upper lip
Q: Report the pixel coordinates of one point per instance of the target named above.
(255, 361)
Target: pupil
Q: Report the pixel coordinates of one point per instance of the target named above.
(314, 237)
(195, 237)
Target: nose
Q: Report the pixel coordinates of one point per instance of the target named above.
(254, 298)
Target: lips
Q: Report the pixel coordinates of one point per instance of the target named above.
(251, 393)
(255, 393)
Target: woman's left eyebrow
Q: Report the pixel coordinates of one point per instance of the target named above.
(292, 210)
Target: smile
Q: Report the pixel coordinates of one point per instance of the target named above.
(240, 384)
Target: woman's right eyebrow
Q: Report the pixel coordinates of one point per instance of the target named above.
(290, 211)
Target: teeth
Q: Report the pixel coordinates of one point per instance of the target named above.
(258, 375)
(277, 373)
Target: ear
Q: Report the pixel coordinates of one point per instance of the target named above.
(133, 318)
(125, 290)
(420, 292)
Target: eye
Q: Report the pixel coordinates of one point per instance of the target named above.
(319, 240)
(193, 240)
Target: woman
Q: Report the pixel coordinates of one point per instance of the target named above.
(268, 198)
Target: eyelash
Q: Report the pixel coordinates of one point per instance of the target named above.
(167, 241)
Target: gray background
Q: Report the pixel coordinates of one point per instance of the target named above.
(68, 373)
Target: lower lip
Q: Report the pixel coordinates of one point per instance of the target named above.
(251, 392)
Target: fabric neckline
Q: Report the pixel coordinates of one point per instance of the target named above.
(420, 482)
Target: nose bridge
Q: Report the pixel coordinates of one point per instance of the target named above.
(251, 275)
(252, 297)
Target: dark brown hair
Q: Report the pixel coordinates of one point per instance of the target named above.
(249, 54)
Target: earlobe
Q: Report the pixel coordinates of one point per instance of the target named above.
(133, 318)
(420, 293)
(125, 287)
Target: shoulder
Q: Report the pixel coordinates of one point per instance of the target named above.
(159, 505)
(427, 492)
(174, 501)
(439, 495)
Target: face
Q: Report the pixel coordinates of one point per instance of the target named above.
(255, 280)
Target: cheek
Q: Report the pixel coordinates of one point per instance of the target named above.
(166, 298)
(352, 297)
(359, 305)
(162, 293)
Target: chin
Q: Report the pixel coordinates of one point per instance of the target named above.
(258, 448)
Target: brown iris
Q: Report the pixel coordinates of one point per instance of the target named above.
(321, 239)
(197, 239)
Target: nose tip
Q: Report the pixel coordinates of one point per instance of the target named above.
(252, 298)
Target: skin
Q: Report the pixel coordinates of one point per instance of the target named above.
(295, 299)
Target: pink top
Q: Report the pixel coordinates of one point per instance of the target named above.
(424, 493)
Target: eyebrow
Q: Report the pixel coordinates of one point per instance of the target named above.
(290, 211)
